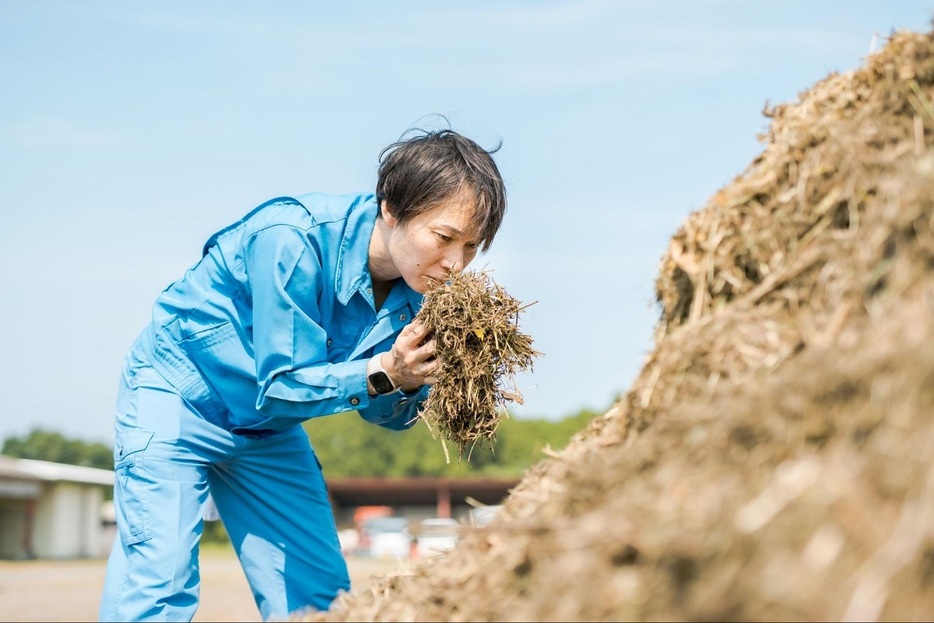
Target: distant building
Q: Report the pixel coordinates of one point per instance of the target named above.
(400, 516)
(417, 497)
(52, 510)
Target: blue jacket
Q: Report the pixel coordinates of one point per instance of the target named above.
(276, 321)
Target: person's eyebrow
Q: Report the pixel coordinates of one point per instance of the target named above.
(450, 228)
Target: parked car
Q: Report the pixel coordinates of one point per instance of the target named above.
(349, 539)
(387, 537)
(436, 536)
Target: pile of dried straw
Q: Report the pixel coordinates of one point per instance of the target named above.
(774, 459)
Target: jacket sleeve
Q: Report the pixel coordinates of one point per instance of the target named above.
(295, 379)
(396, 411)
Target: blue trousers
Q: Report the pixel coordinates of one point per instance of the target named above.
(269, 491)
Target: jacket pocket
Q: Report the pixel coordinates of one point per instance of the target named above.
(208, 337)
(133, 485)
(228, 371)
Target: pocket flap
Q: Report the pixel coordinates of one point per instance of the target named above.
(132, 441)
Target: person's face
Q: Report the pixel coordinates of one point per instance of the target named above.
(435, 243)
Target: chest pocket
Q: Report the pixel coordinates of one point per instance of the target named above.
(343, 337)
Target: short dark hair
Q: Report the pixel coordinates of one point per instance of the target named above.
(418, 173)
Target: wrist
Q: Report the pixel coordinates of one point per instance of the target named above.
(408, 393)
(379, 380)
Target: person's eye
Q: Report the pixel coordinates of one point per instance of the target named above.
(473, 245)
(444, 238)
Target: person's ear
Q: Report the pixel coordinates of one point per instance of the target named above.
(387, 215)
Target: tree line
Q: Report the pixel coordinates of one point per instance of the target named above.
(349, 446)
(346, 445)
(47, 445)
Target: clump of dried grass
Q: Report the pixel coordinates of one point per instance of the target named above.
(480, 348)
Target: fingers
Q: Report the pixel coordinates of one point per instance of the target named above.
(411, 360)
(429, 367)
(423, 364)
(415, 333)
(426, 351)
(415, 344)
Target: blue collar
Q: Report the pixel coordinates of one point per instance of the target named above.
(353, 271)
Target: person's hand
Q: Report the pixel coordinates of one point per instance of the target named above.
(411, 360)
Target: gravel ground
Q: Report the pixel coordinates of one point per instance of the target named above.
(69, 590)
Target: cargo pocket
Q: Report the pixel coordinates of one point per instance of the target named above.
(133, 485)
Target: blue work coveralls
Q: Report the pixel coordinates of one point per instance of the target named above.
(271, 327)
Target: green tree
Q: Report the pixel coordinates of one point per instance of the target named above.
(45, 445)
(348, 446)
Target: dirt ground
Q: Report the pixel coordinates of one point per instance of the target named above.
(44, 590)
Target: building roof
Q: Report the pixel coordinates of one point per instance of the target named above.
(418, 490)
(46, 471)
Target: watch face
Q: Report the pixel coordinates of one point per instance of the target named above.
(381, 382)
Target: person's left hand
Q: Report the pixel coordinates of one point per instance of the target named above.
(411, 360)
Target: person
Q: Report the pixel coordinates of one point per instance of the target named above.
(301, 309)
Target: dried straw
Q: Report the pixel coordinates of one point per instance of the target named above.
(774, 459)
(475, 325)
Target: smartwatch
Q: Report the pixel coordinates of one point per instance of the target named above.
(378, 378)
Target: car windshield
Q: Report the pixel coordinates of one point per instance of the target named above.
(386, 524)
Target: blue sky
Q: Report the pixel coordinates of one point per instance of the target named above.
(129, 132)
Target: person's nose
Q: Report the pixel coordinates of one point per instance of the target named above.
(453, 260)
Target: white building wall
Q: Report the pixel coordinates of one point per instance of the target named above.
(46, 543)
(93, 498)
(68, 521)
(53, 510)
